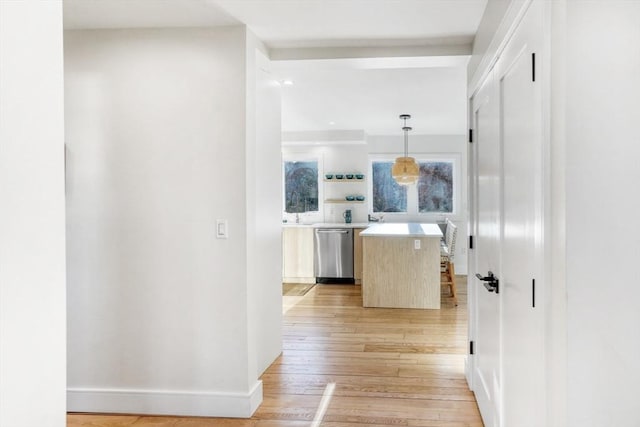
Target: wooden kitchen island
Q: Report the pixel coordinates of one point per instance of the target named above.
(401, 265)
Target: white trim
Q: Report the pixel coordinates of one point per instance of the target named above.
(510, 21)
(163, 402)
(461, 48)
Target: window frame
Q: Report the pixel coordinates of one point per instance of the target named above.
(381, 158)
(290, 216)
(412, 191)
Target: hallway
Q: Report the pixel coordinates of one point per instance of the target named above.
(344, 365)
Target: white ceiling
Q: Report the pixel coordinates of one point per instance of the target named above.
(314, 23)
(371, 94)
(295, 23)
(364, 94)
(105, 14)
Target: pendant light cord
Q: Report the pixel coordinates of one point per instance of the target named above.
(406, 140)
(405, 170)
(406, 130)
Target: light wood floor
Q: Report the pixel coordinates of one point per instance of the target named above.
(387, 366)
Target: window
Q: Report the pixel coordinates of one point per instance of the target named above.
(388, 195)
(435, 187)
(435, 193)
(301, 186)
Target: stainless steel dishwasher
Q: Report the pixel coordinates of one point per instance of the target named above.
(333, 255)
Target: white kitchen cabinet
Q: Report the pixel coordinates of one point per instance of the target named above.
(297, 255)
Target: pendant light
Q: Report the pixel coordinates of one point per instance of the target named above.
(405, 170)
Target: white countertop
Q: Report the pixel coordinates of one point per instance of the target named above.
(329, 225)
(403, 230)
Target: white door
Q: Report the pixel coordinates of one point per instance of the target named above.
(485, 329)
(507, 327)
(522, 308)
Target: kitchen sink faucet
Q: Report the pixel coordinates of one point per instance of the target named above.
(372, 218)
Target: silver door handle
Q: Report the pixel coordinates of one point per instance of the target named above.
(333, 231)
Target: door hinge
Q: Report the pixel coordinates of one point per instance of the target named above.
(470, 135)
(471, 349)
(533, 293)
(470, 242)
(533, 67)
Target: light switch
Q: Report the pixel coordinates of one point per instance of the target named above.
(416, 244)
(221, 229)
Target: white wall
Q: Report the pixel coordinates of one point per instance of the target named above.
(603, 238)
(32, 240)
(355, 158)
(159, 316)
(556, 248)
(492, 18)
(346, 159)
(264, 205)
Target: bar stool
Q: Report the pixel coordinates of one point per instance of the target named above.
(447, 250)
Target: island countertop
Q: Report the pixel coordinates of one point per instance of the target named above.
(327, 225)
(410, 229)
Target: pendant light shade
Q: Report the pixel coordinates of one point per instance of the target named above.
(405, 170)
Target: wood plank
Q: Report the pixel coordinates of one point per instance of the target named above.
(390, 367)
(396, 274)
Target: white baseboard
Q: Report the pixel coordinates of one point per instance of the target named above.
(156, 402)
(467, 371)
(298, 280)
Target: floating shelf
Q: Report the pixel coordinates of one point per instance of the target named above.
(343, 201)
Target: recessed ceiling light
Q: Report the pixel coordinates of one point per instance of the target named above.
(287, 82)
(332, 123)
